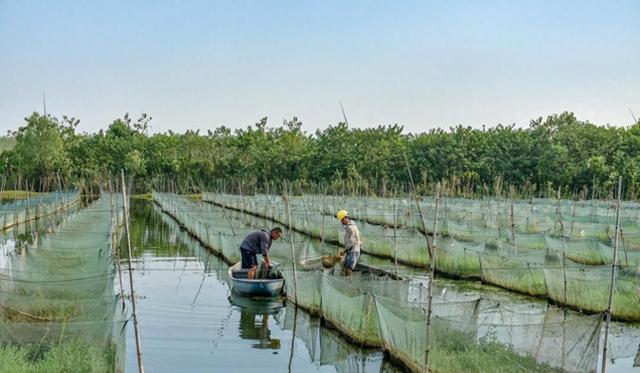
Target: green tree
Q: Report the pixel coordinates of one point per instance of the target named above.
(39, 153)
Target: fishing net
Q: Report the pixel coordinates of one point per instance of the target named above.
(588, 287)
(57, 302)
(350, 310)
(505, 243)
(522, 272)
(35, 207)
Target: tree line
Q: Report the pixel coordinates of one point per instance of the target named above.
(557, 153)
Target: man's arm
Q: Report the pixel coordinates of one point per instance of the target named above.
(267, 261)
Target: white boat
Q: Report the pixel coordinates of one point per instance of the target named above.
(267, 287)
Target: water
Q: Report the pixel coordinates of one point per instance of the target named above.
(189, 322)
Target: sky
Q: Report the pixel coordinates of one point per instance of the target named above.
(421, 64)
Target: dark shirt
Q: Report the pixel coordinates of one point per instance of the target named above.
(257, 242)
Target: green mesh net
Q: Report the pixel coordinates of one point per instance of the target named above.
(57, 303)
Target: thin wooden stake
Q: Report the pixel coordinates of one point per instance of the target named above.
(293, 338)
(293, 257)
(295, 275)
(324, 208)
(435, 222)
(306, 216)
(114, 221)
(513, 227)
(432, 268)
(395, 232)
(133, 294)
(614, 272)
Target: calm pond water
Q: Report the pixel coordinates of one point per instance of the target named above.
(189, 322)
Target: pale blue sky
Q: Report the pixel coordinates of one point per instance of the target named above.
(422, 64)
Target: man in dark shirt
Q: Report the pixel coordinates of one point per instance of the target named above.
(257, 243)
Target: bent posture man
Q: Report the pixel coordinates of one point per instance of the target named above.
(257, 243)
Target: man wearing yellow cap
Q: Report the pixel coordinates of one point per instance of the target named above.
(352, 242)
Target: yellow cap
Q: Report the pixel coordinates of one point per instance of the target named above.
(342, 214)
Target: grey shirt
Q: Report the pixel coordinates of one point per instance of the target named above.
(257, 242)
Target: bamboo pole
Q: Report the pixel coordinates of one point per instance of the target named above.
(395, 233)
(435, 222)
(293, 338)
(15, 198)
(614, 272)
(293, 257)
(133, 294)
(324, 203)
(114, 221)
(4, 180)
(564, 250)
(306, 216)
(242, 202)
(431, 268)
(27, 216)
(512, 222)
(564, 273)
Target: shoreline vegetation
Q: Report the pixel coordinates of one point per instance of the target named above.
(558, 155)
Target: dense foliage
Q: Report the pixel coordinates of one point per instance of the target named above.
(559, 152)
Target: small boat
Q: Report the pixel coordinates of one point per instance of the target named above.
(267, 287)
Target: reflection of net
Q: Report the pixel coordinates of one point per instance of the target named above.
(377, 311)
(327, 347)
(57, 303)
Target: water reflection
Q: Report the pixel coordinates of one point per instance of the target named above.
(254, 320)
(252, 329)
(326, 347)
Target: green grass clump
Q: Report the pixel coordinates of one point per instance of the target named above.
(458, 264)
(588, 256)
(485, 356)
(195, 197)
(144, 197)
(10, 195)
(73, 356)
(44, 312)
(593, 295)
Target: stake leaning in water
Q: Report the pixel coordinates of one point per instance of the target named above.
(133, 294)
